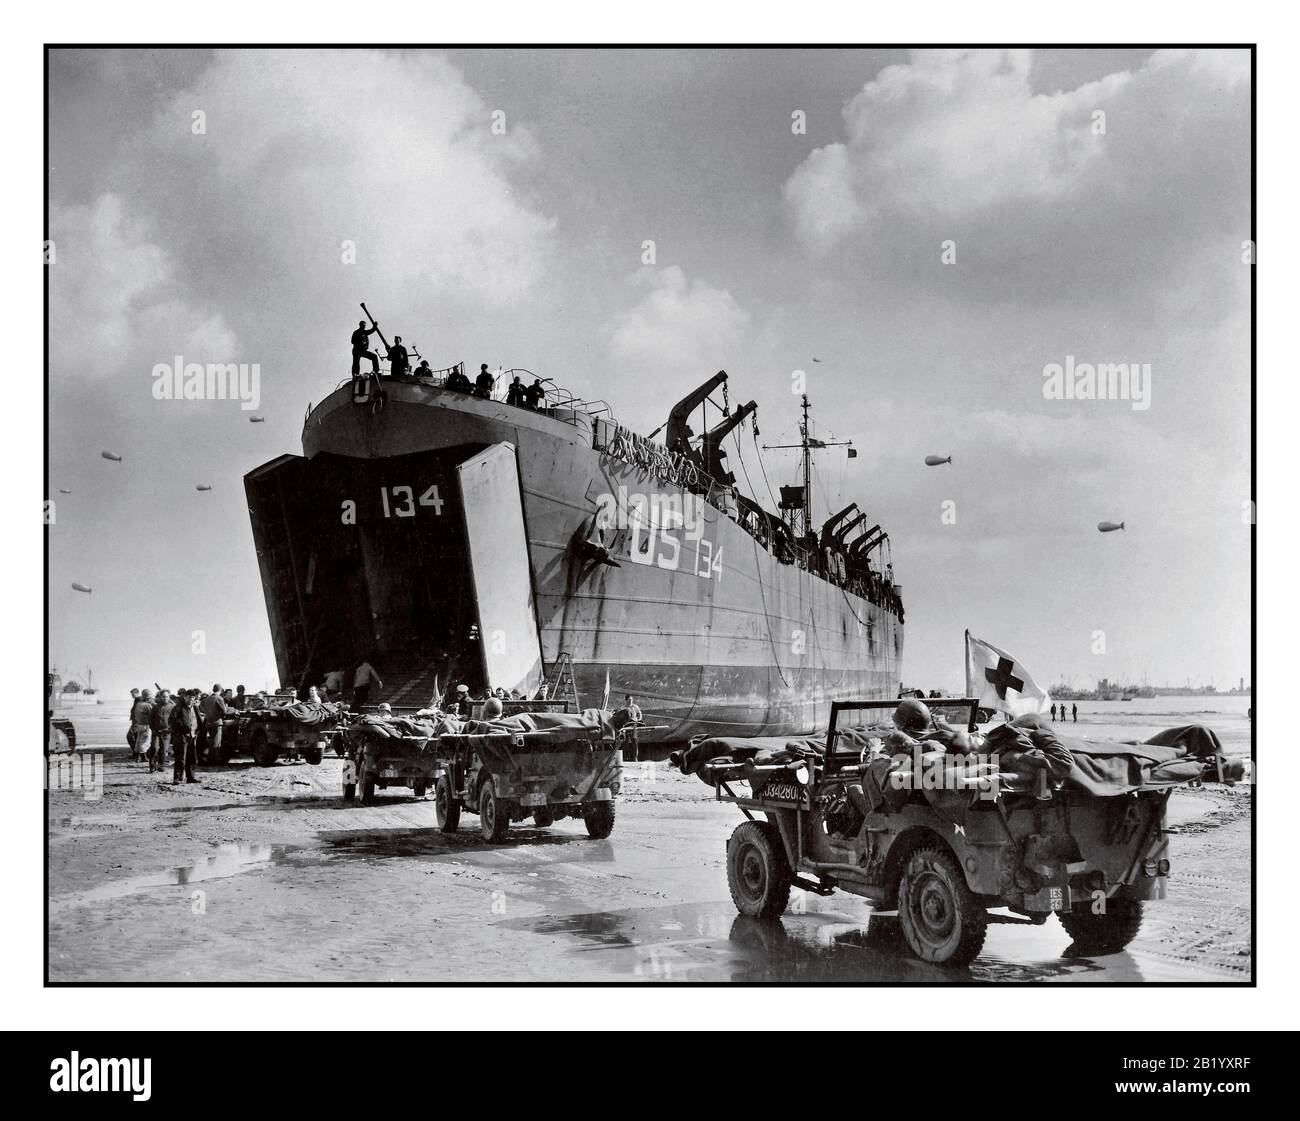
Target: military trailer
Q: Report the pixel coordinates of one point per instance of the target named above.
(547, 766)
(278, 731)
(941, 859)
(377, 755)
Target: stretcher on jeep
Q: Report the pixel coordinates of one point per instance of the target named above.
(1025, 822)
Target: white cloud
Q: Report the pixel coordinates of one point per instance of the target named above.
(395, 152)
(114, 292)
(680, 326)
(956, 144)
(951, 133)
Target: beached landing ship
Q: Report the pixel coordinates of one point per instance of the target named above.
(452, 537)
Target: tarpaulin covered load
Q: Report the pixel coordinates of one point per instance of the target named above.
(493, 740)
(586, 723)
(317, 714)
(396, 727)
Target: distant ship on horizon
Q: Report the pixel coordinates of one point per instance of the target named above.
(71, 692)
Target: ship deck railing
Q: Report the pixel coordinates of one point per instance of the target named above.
(613, 438)
(554, 397)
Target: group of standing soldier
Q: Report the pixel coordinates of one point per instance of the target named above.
(182, 723)
(517, 394)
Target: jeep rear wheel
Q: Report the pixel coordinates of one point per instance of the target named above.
(1110, 931)
(758, 873)
(599, 820)
(942, 920)
(445, 806)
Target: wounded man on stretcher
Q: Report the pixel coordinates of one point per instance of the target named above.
(1026, 754)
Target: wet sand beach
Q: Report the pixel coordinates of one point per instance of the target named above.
(265, 874)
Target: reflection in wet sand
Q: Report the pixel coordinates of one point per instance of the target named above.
(710, 942)
(226, 860)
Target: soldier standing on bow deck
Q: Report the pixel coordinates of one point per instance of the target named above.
(399, 363)
(361, 348)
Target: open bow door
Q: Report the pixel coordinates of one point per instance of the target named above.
(500, 569)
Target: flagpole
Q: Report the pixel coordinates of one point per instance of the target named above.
(966, 657)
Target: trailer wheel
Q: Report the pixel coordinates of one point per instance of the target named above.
(544, 819)
(420, 788)
(349, 792)
(264, 752)
(942, 920)
(1112, 931)
(367, 782)
(446, 806)
(493, 818)
(313, 755)
(599, 819)
(758, 873)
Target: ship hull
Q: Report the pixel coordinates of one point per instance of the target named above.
(650, 590)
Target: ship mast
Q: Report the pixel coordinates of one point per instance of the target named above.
(806, 446)
(807, 470)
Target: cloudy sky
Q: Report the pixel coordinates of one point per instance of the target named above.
(944, 226)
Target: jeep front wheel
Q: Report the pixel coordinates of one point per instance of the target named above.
(493, 817)
(758, 873)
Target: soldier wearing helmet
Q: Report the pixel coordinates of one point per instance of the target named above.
(914, 718)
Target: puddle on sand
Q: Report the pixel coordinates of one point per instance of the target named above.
(464, 846)
(225, 860)
(64, 824)
(710, 942)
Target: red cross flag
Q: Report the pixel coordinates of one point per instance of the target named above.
(999, 681)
